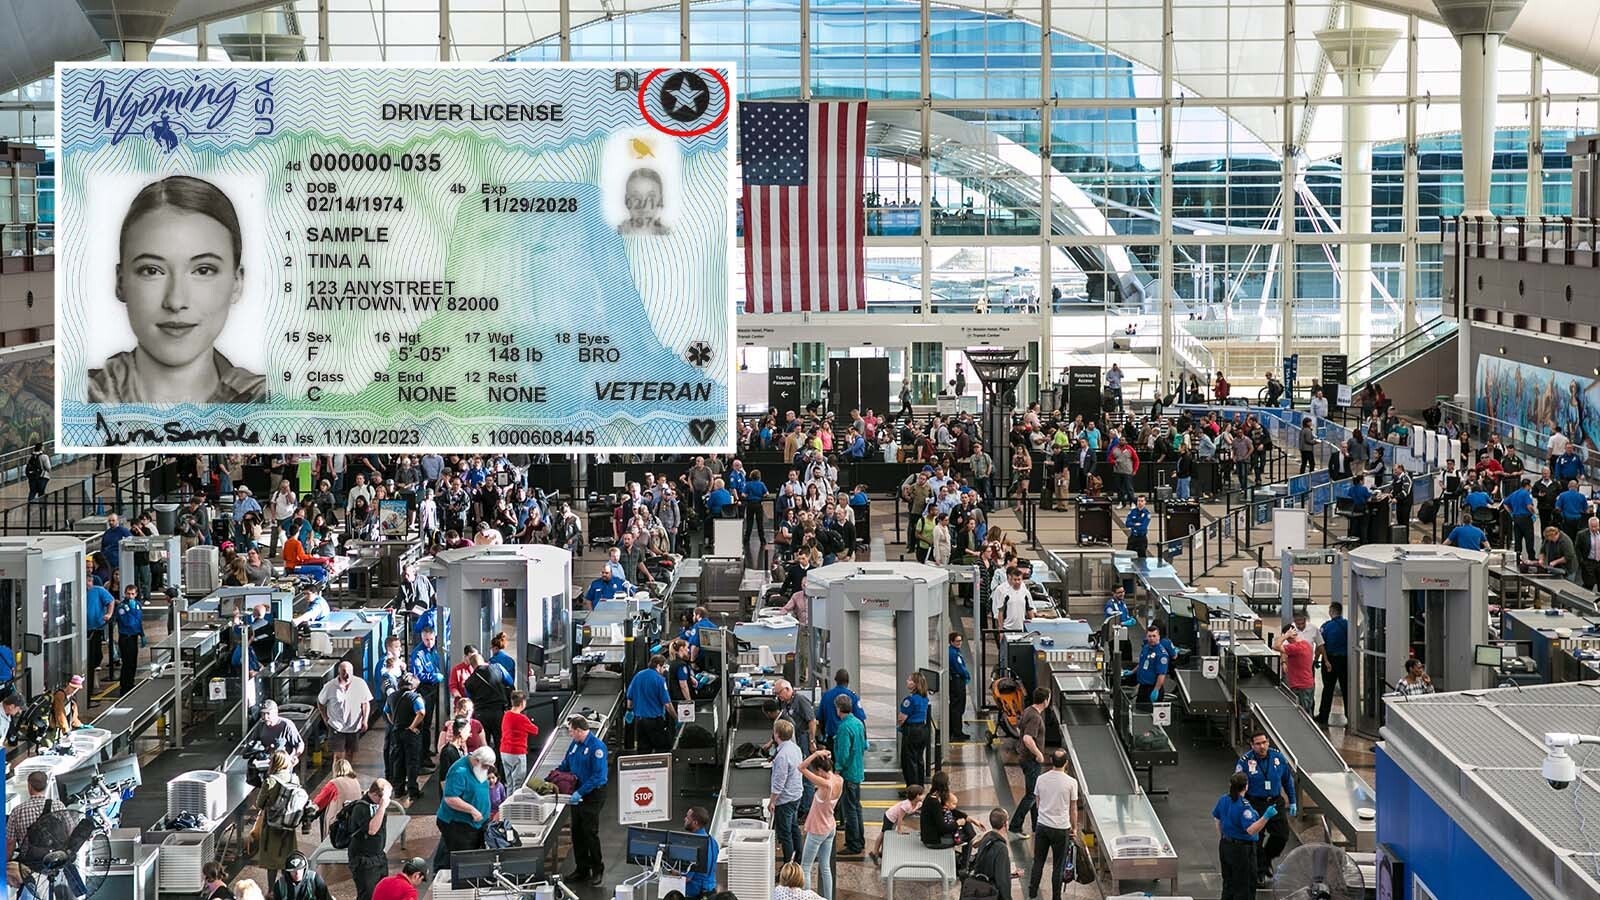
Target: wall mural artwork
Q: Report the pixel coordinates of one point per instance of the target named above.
(1539, 399)
(27, 399)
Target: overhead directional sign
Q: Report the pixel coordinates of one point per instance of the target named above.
(783, 391)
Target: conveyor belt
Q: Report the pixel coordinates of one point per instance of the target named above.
(129, 716)
(748, 785)
(1292, 731)
(1202, 695)
(1096, 753)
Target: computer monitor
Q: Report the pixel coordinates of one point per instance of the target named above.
(644, 843)
(472, 868)
(1491, 655)
(283, 630)
(686, 852)
(933, 679)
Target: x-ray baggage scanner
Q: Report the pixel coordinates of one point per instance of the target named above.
(43, 584)
(132, 548)
(897, 610)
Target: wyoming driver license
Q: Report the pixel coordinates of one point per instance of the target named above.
(354, 257)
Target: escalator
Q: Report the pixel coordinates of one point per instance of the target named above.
(1414, 368)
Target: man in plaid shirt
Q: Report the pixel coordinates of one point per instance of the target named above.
(27, 812)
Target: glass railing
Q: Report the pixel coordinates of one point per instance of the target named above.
(1401, 349)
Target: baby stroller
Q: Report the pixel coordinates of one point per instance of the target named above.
(1010, 698)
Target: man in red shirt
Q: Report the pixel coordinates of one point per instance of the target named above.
(461, 671)
(515, 729)
(403, 884)
(1298, 673)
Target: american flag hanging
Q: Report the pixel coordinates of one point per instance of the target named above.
(803, 215)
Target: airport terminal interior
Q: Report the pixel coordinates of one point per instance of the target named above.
(1180, 483)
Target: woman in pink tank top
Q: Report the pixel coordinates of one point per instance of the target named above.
(820, 824)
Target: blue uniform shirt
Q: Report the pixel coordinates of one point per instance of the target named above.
(1138, 521)
(1572, 504)
(1567, 466)
(1359, 495)
(958, 666)
(1336, 636)
(111, 545)
(1478, 500)
(697, 883)
(647, 693)
(586, 760)
(427, 664)
(605, 589)
(97, 604)
(736, 480)
(717, 500)
(1520, 502)
(1467, 537)
(915, 708)
(1236, 817)
(828, 714)
(755, 491)
(130, 617)
(1153, 662)
(1118, 608)
(1267, 776)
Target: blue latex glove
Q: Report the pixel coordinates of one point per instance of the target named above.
(1155, 695)
(1270, 812)
(1294, 809)
(141, 641)
(1129, 622)
(575, 799)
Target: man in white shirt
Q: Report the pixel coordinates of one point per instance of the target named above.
(1056, 793)
(1557, 444)
(1010, 602)
(345, 704)
(360, 489)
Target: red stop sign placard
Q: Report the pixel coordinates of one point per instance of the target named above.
(644, 796)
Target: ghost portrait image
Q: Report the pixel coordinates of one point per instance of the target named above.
(179, 274)
(644, 195)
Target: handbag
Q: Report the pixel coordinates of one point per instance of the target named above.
(1082, 862)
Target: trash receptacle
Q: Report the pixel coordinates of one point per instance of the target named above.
(166, 516)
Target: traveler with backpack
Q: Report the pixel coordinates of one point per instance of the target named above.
(38, 472)
(989, 877)
(20, 821)
(403, 744)
(298, 882)
(282, 803)
(340, 790)
(359, 827)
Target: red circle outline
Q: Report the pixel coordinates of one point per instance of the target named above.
(692, 132)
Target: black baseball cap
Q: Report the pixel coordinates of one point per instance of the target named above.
(295, 862)
(416, 865)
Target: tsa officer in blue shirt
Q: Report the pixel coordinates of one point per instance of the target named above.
(1269, 777)
(129, 614)
(1138, 524)
(651, 707)
(1333, 648)
(960, 676)
(1477, 499)
(1574, 509)
(1467, 536)
(697, 883)
(1117, 606)
(1521, 506)
(1239, 827)
(586, 760)
(607, 586)
(427, 663)
(914, 734)
(1150, 675)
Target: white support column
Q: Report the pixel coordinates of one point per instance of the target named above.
(1046, 208)
(444, 30)
(322, 30)
(1287, 257)
(1409, 205)
(128, 30)
(926, 229)
(1167, 278)
(1480, 63)
(683, 30)
(565, 26)
(1357, 53)
(1535, 204)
